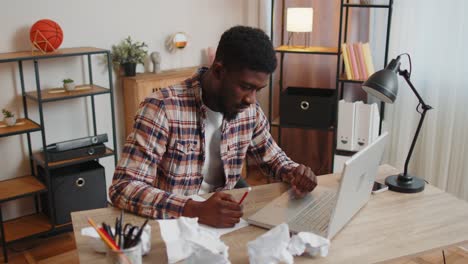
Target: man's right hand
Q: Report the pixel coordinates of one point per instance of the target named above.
(220, 210)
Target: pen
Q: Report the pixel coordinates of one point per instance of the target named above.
(245, 195)
(121, 242)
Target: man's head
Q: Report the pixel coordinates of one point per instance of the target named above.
(244, 60)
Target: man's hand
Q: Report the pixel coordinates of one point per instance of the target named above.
(220, 210)
(303, 181)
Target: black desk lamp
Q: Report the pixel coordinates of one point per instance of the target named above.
(384, 85)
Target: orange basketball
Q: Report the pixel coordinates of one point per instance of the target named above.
(46, 35)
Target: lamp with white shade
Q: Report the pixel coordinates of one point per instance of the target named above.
(299, 20)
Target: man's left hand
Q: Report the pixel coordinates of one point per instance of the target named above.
(303, 181)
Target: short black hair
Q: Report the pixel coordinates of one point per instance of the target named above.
(243, 47)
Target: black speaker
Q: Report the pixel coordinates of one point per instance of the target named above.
(75, 188)
(97, 149)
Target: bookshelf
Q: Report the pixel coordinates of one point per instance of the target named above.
(39, 223)
(341, 82)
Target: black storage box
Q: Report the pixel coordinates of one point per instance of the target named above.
(75, 188)
(308, 107)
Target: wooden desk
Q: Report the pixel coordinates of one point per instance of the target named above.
(390, 226)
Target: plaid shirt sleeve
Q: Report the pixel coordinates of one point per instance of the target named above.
(132, 186)
(273, 161)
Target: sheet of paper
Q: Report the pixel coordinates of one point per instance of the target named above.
(220, 231)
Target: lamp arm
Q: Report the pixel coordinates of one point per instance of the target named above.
(406, 75)
(425, 107)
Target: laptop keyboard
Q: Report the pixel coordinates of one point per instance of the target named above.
(316, 216)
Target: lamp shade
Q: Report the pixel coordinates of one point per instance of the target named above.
(299, 19)
(383, 85)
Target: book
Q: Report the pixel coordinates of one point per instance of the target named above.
(368, 58)
(348, 70)
(362, 64)
(352, 58)
(358, 61)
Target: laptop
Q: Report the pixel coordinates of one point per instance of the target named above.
(326, 211)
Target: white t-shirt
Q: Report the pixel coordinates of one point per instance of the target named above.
(212, 171)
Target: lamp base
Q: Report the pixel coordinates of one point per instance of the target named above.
(405, 183)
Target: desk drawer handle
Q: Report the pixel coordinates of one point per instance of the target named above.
(80, 182)
(304, 105)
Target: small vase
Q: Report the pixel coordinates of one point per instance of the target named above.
(129, 69)
(10, 121)
(69, 86)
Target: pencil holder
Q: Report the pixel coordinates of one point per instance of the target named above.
(131, 255)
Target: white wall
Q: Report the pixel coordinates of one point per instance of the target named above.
(100, 24)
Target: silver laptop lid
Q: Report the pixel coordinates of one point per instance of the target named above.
(355, 188)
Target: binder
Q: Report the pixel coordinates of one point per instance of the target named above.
(346, 126)
(367, 120)
(363, 125)
(375, 122)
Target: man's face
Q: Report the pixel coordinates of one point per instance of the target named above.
(239, 90)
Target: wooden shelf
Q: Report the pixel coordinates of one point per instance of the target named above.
(308, 50)
(39, 158)
(276, 122)
(21, 186)
(162, 75)
(345, 152)
(65, 52)
(366, 6)
(329, 129)
(22, 126)
(343, 78)
(56, 94)
(26, 226)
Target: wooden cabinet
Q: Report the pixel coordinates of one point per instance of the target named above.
(137, 88)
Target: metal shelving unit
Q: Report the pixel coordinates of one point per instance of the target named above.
(341, 76)
(39, 224)
(341, 80)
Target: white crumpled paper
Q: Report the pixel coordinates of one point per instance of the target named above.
(98, 245)
(275, 246)
(186, 240)
(312, 244)
(271, 247)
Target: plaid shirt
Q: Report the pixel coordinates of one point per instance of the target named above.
(163, 157)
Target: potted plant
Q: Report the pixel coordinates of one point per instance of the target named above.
(9, 117)
(69, 84)
(128, 54)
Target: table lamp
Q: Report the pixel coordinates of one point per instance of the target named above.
(299, 20)
(384, 85)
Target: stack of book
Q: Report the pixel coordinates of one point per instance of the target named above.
(357, 59)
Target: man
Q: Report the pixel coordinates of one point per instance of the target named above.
(193, 138)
